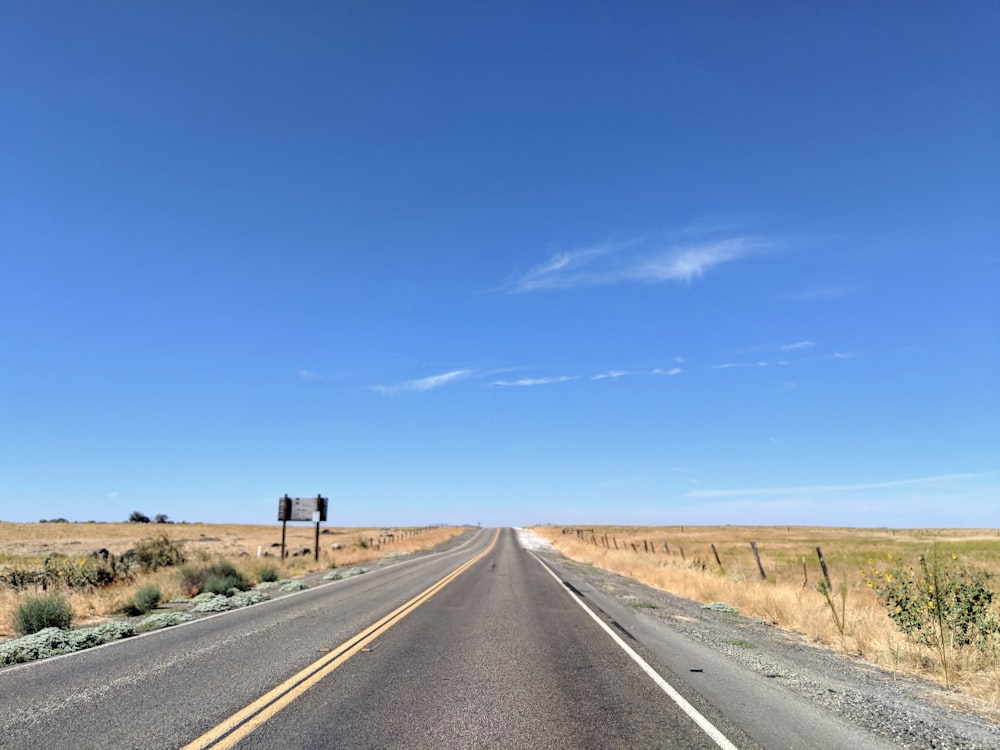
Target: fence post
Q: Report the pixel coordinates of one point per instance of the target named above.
(756, 556)
(682, 553)
(666, 548)
(717, 560)
(822, 564)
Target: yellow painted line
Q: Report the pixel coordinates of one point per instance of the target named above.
(239, 725)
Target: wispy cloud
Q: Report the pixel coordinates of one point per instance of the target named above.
(613, 374)
(671, 371)
(827, 488)
(758, 363)
(633, 261)
(423, 384)
(797, 346)
(524, 382)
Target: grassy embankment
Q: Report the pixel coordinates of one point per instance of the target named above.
(789, 597)
(27, 545)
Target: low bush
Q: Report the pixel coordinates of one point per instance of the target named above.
(39, 612)
(218, 577)
(162, 620)
(339, 574)
(221, 603)
(54, 641)
(158, 552)
(143, 601)
(268, 575)
(218, 583)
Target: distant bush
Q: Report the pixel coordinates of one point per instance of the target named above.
(162, 620)
(158, 552)
(143, 601)
(40, 612)
(54, 641)
(337, 575)
(160, 518)
(138, 517)
(221, 603)
(268, 575)
(217, 578)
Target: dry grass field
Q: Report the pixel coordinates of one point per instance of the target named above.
(27, 545)
(680, 560)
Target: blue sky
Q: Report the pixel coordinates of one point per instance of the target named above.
(505, 263)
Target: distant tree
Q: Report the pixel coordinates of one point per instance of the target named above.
(138, 517)
(160, 518)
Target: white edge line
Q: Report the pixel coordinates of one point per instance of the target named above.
(706, 726)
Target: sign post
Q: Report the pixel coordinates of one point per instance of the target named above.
(301, 509)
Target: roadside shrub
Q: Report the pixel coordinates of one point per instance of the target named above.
(268, 575)
(54, 641)
(218, 578)
(39, 612)
(158, 552)
(144, 600)
(221, 584)
(339, 574)
(162, 620)
(938, 603)
(294, 586)
(222, 603)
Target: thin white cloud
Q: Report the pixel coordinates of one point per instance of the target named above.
(759, 363)
(633, 261)
(524, 382)
(690, 263)
(422, 384)
(844, 355)
(611, 374)
(826, 488)
(797, 345)
(113, 495)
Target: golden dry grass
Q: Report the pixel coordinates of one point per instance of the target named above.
(27, 545)
(788, 597)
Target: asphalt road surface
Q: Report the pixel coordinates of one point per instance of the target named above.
(482, 646)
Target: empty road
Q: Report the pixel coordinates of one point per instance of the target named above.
(481, 646)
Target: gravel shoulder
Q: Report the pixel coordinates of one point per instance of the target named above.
(906, 711)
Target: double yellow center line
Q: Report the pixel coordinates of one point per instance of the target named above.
(242, 723)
